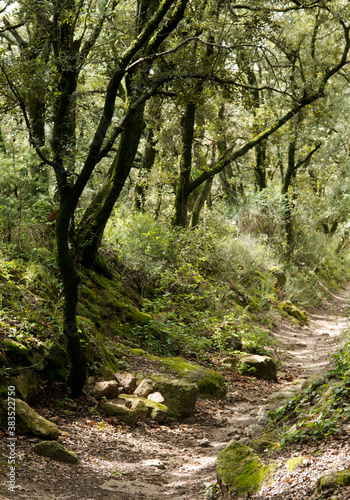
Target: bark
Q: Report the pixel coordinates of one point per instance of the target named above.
(200, 201)
(183, 189)
(146, 166)
(70, 279)
(94, 221)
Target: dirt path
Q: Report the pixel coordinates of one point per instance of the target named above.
(177, 461)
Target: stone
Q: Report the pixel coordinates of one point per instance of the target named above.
(333, 480)
(294, 311)
(209, 382)
(240, 471)
(279, 276)
(146, 387)
(153, 463)
(26, 384)
(106, 373)
(29, 421)
(55, 451)
(127, 380)
(108, 389)
(156, 396)
(254, 365)
(180, 396)
(156, 411)
(204, 443)
(138, 410)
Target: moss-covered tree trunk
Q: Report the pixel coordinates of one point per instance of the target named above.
(183, 188)
(147, 163)
(70, 279)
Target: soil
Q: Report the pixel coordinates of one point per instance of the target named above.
(177, 460)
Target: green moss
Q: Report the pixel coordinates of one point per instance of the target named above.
(241, 472)
(209, 382)
(16, 353)
(294, 311)
(334, 480)
(294, 462)
(263, 444)
(55, 451)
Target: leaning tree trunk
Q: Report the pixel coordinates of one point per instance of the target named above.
(96, 216)
(201, 199)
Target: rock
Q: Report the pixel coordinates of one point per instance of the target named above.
(106, 373)
(156, 411)
(279, 276)
(127, 380)
(240, 471)
(209, 382)
(294, 311)
(28, 421)
(180, 396)
(204, 443)
(256, 366)
(146, 387)
(261, 444)
(16, 353)
(334, 480)
(56, 451)
(26, 384)
(153, 463)
(108, 389)
(156, 396)
(130, 416)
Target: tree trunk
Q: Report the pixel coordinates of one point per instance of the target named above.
(97, 214)
(146, 166)
(70, 280)
(201, 199)
(183, 189)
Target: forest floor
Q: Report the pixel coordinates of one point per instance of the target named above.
(177, 460)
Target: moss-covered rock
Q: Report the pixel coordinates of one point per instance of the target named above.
(131, 415)
(209, 382)
(55, 451)
(263, 444)
(156, 411)
(241, 472)
(180, 396)
(255, 366)
(279, 276)
(334, 480)
(26, 384)
(294, 311)
(16, 353)
(28, 421)
(294, 462)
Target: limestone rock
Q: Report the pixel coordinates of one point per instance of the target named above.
(29, 421)
(156, 411)
(241, 472)
(156, 396)
(108, 389)
(130, 416)
(334, 480)
(146, 387)
(126, 380)
(180, 396)
(56, 451)
(256, 366)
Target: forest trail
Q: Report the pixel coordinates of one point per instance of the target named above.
(176, 461)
